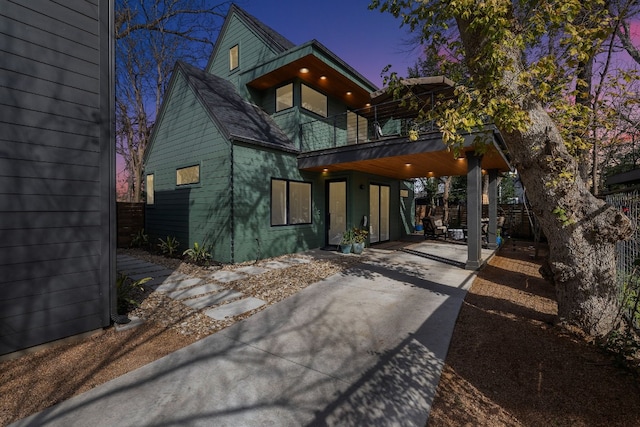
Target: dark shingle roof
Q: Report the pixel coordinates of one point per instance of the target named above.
(237, 118)
(274, 39)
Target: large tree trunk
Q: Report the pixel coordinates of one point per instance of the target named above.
(581, 229)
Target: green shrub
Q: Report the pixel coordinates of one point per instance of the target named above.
(127, 291)
(198, 254)
(169, 246)
(140, 240)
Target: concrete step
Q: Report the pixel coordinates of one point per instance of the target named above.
(234, 308)
(212, 299)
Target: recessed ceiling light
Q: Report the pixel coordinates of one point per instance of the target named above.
(325, 170)
(367, 104)
(323, 77)
(349, 93)
(304, 70)
(407, 164)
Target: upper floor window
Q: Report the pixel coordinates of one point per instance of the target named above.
(314, 101)
(233, 58)
(284, 97)
(188, 175)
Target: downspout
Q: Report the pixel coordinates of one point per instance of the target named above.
(232, 211)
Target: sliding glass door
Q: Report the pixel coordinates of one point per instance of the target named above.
(379, 213)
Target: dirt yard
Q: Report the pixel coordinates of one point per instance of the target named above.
(508, 365)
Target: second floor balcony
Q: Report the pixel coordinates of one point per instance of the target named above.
(379, 122)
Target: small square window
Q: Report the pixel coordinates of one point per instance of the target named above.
(234, 60)
(188, 175)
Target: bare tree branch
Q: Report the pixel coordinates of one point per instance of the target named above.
(151, 35)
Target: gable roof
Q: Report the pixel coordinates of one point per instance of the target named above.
(238, 119)
(273, 38)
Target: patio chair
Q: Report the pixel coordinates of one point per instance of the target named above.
(434, 228)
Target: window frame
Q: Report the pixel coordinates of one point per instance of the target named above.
(235, 48)
(191, 183)
(325, 112)
(150, 198)
(287, 205)
(277, 110)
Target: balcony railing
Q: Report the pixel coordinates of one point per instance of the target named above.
(370, 124)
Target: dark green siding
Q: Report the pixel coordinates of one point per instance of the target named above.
(186, 136)
(254, 235)
(252, 51)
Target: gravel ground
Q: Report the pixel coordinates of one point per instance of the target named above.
(37, 380)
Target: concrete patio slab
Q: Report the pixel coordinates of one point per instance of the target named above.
(172, 278)
(298, 261)
(275, 265)
(152, 274)
(212, 299)
(170, 286)
(252, 270)
(144, 267)
(227, 276)
(235, 308)
(206, 288)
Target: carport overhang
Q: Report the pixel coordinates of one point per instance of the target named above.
(400, 158)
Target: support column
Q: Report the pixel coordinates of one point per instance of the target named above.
(474, 211)
(493, 210)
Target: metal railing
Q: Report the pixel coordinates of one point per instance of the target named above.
(370, 124)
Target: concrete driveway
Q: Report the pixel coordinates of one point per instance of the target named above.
(364, 347)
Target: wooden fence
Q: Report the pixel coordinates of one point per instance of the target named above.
(130, 219)
(517, 223)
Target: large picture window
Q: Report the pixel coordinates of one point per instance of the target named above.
(188, 175)
(314, 101)
(284, 97)
(290, 202)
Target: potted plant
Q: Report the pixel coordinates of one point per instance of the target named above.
(347, 241)
(359, 239)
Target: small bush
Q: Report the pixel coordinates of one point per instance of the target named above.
(198, 254)
(127, 290)
(140, 240)
(169, 246)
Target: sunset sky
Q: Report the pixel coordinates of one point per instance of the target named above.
(367, 40)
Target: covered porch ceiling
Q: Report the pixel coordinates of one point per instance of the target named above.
(399, 158)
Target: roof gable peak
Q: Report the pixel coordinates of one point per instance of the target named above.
(273, 38)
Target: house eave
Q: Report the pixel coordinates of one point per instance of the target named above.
(326, 72)
(401, 159)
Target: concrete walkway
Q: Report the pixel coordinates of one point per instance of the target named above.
(364, 347)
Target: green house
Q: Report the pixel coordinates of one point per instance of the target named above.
(277, 148)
